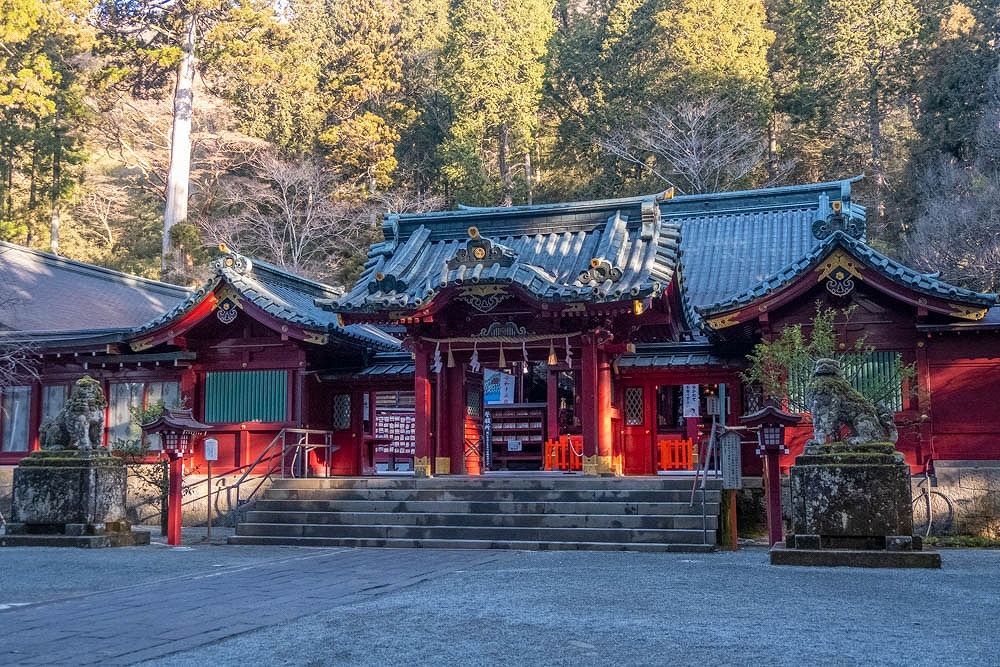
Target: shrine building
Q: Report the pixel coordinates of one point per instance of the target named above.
(606, 337)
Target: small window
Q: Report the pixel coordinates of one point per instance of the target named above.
(244, 396)
(14, 417)
(342, 412)
(53, 399)
(634, 406)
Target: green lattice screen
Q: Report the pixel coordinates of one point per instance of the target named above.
(243, 396)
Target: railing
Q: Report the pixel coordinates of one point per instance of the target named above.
(562, 455)
(290, 457)
(674, 454)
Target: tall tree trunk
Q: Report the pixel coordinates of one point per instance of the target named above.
(175, 210)
(875, 131)
(54, 197)
(527, 175)
(503, 163)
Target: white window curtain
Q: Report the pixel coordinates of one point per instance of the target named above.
(16, 401)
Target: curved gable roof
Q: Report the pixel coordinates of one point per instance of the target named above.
(282, 295)
(975, 304)
(600, 251)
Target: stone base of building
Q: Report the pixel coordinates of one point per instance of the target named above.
(70, 498)
(132, 538)
(782, 555)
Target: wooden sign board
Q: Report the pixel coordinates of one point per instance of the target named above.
(690, 395)
(731, 460)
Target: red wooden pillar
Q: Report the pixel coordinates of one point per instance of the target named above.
(422, 412)
(923, 380)
(34, 415)
(552, 404)
(364, 449)
(589, 405)
(451, 455)
(175, 499)
(605, 436)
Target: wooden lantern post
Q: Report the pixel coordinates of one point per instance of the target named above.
(175, 428)
(770, 423)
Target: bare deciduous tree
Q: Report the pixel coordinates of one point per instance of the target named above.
(696, 146)
(296, 215)
(957, 232)
(18, 363)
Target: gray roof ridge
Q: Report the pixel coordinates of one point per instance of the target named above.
(886, 266)
(587, 204)
(765, 192)
(78, 266)
(288, 276)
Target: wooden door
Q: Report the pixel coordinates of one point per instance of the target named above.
(637, 427)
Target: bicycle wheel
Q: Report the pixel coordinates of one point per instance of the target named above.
(933, 513)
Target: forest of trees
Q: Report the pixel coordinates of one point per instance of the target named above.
(137, 134)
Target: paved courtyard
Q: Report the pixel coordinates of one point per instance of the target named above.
(213, 604)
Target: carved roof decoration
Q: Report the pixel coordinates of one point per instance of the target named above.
(479, 250)
(841, 261)
(837, 221)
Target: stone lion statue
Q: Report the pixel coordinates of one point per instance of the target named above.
(80, 423)
(834, 404)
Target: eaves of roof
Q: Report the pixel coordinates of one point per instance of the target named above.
(280, 294)
(884, 266)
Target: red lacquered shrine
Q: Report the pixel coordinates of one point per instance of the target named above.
(609, 336)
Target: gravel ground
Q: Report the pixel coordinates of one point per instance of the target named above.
(531, 608)
(647, 609)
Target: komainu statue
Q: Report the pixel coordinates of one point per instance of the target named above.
(80, 424)
(834, 404)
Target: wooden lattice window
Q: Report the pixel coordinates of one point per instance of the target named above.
(342, 412)
(634, 406)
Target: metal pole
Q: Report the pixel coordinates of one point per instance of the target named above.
(209, 533)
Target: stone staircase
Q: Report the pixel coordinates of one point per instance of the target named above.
(488, 512)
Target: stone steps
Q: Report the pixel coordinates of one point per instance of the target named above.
(525, 512)
(531, 545)
(498, 520)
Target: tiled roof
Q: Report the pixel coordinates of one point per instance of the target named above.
(382, 366)
(731, 241)
(885, 266)
(720, 244)
(669, 355)
(587, 251)
(281, 294)
(52, 293)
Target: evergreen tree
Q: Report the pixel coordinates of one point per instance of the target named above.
(493, 72)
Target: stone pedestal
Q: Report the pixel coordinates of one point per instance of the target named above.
(848, 499)
(70, 498)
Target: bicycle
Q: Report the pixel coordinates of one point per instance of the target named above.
(933, 511)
